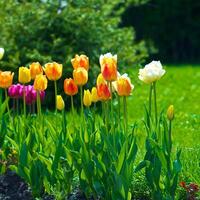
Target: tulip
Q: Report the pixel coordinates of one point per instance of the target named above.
(80, 76)
(124, 86)
(108, 64)
(80, 61)
(53, 71)
(1, 53)
(60, 102)
(170, 112)
(6, 79)
(100, 79)
(24, 75)
(87, 100)
(103, 92)
(94, 95)
(40, 83)
(15, 91)
(31, 94)
(35, 69)
(151, 72)
(70, 87)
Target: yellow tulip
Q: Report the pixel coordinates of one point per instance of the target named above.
(80, 61)
(40, 83)
(53, 71)
(100, 79)
(170, 112)
(87, 100)
(60, 103)
(6, 79)
(94, 95)
(24, 75)
(80, 76)
(35, 69)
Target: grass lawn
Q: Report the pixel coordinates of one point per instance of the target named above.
(181, 87)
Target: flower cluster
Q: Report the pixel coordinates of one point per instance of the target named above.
(108, 81)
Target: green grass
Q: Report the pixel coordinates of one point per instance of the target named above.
(181, 87)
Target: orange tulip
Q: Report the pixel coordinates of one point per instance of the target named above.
(70, 87)
(40, 83)
(80, 76)
(80, 61)
(53, 71)
(6, 79)
(108, 64)
(35, 69)
(124, 86)
(103, 92)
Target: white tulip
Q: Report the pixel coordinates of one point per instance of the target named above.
(1, 53)
(151, 72)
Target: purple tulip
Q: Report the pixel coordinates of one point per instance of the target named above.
(15, 91)
(31, 94)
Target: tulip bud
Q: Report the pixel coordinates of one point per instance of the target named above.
(60, 103)
(170, 112)
(1, 53)
(80, 76)
(94, 95)
(24, 75)
(70, 87)
(40, 83)
(6, 79)
(87, 98)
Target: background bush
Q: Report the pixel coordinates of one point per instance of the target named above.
(45, 31)
(171, 25)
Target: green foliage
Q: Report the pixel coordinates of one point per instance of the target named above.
(47, 30)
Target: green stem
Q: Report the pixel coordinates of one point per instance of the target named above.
(6, 95)
(72, 105)
(150, 99)
(38, 104)
(125, 115)
(24, 100)
(81, 89)
(55, 87)
(155, 103)
(119, 111)
(111, 106)
(106, 114)
(170, 136)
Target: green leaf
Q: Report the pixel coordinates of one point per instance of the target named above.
(121, 158)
